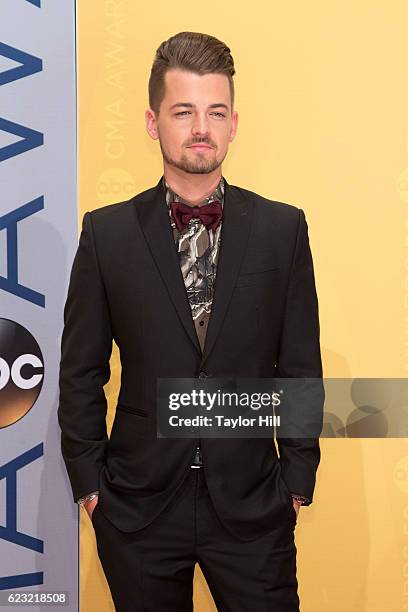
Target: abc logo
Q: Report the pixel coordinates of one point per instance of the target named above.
(21, 371)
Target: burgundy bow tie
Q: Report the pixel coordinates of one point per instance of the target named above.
(209, 214)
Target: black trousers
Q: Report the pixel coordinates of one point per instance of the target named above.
(152, 570)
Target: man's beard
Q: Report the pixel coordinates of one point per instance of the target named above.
(199, 165)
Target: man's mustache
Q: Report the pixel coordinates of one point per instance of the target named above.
(207, 142)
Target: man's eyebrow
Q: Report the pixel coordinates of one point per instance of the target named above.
(189, 105)
(181, 104)
(219, 105)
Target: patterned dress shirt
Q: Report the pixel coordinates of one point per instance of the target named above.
(198, 249)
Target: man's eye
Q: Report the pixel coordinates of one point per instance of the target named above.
(182, 113)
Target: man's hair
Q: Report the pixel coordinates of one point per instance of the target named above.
(190, 51)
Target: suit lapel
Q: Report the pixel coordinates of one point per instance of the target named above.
(155, 224)
(236, 223)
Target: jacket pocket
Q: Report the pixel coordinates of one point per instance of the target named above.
(132, 409)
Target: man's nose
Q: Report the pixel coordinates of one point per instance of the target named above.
(200, 125)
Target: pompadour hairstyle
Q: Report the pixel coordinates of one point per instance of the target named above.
(191, 51)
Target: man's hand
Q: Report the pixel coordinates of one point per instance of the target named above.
(296, 506)
(90, 506)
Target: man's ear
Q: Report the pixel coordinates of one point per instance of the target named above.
(151, 124)
(234, 126)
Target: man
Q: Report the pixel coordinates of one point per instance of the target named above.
(191, 278)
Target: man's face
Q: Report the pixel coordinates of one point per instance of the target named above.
(196, 110)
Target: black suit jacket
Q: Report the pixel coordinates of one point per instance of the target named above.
(126, 284)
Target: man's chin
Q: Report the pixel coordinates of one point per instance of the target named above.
(199, 170)
(194, 168)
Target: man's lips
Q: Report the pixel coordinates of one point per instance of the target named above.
(199, 146)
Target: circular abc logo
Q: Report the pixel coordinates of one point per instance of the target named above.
(21, 371)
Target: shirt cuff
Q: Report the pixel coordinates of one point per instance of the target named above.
(300, 498)
(80, 500)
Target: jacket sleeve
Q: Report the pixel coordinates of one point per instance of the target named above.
(86, 347)
(299, 357)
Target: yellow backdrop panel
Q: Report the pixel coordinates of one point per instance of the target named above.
(322, 95)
